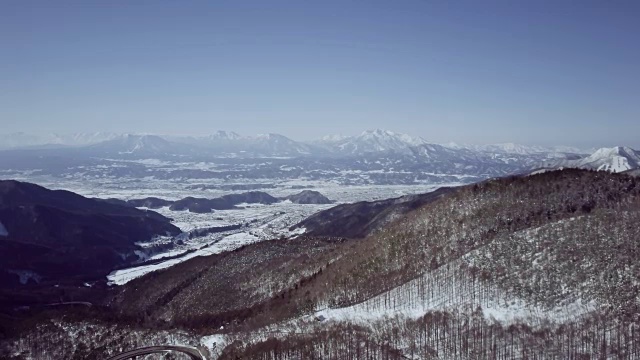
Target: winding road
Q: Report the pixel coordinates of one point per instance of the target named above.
(193, 353)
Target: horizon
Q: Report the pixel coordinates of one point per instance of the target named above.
(544, 73)
(583, 149)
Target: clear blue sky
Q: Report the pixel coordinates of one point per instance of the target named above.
(533, 72)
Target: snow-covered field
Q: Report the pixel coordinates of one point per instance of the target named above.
(227, 243)
(130, 188)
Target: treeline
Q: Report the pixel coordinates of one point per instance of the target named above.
(593, 258)
(471, 218)
(448, 335)
(258, 280)
(564, 243)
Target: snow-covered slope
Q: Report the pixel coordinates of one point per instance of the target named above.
(450, 288)
(615, 159)
(229, 143)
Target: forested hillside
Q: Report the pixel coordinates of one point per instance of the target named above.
(535, 267)
(513, 268)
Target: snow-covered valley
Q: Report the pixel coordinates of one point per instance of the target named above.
(257, 222)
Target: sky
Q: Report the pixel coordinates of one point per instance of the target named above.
(531, 72)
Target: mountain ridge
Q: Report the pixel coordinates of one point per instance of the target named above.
(373, 157)
(60, 235)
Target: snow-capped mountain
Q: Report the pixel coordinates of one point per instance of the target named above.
(224, 135)
(19, 139)
(371, 141)
(229, 143)
(408, 159)
(23, 140)
(139, 145)
(616, 159)
(82, 139)
(278, 145)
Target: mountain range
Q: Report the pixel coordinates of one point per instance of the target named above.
(386, 157)
(229, 142)
(26, 140)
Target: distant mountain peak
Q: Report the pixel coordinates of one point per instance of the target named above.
(377, 132)
(370, 141)
(22, 139)
(224, 135)
(135, 144)
(613, 159)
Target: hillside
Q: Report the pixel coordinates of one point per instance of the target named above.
(53, 236)
(549, 254)
(362, 218)
(495, 242)
(512, 268)
(473, 217)
(308, 197)
(228, 288)
(202, 205)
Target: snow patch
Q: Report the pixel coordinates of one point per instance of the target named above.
(142, 256)
(228, 243)
(214, 343)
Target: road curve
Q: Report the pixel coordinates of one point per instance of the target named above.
(193, 353)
